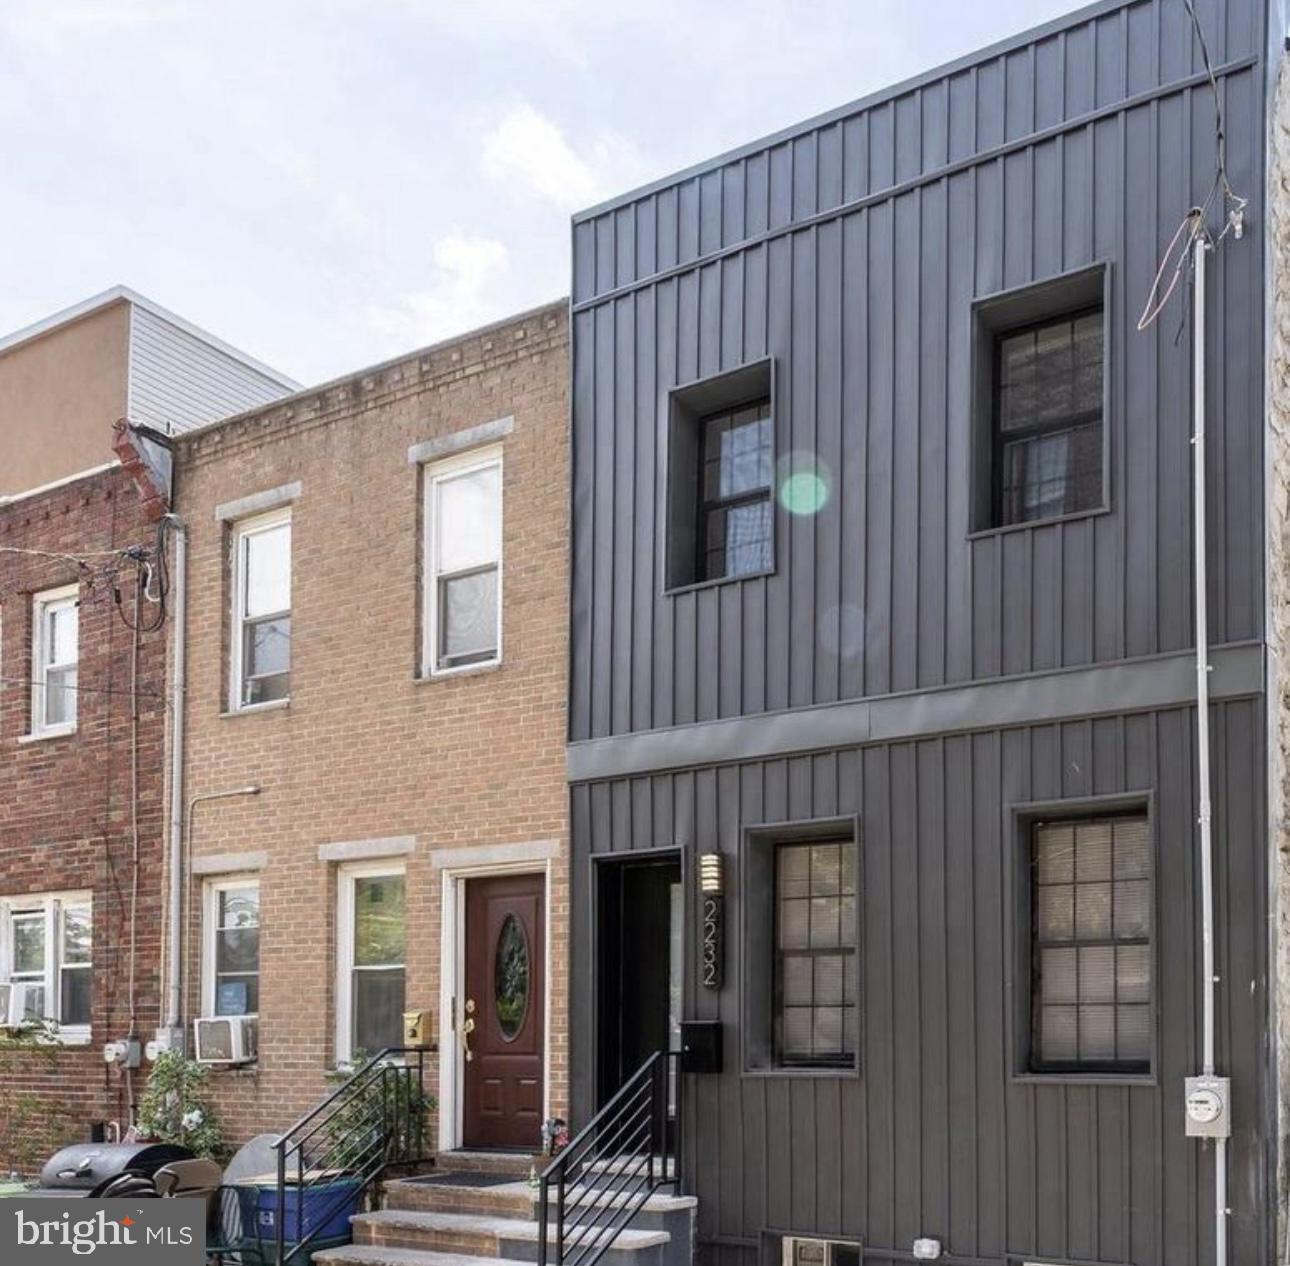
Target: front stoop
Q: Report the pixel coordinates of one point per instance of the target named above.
(440, 1225)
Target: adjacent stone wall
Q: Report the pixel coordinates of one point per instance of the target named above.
(367, 749)
(1278, 453)
(65, 803)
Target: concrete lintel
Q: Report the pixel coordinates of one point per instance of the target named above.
(494, 854)
(367, 850)
(229, 863)
(258, 502)
(460, 441)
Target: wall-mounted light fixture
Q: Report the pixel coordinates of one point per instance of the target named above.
(712, 888)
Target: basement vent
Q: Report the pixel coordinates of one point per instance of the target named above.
(801, 1251)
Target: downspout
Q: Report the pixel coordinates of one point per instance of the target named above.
(1209, 982)
(178, 684)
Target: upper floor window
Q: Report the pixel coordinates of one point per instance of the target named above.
(463, 562)
(734, 537)
(46, 962)
(261, 642)
(720, 513)
(231, 977)
(1040, 402)
(54, 657)
(1091, 944)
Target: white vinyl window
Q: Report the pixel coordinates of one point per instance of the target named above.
(371, 946)
(231, 949)
(463, 552)
(54, 655)
(261, 642)
(47, 961)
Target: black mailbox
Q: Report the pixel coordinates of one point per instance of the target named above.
(700, 1046)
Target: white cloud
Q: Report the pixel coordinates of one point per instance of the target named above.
(527, 146)
(467, 289)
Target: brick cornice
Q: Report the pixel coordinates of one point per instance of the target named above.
(432, 368)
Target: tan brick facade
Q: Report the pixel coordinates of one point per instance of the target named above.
(368, 749)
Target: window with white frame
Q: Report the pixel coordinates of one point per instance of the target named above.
(261, 642)
(371, 944)
(463, 570)
(54, 655)
(231, 957)
(47, 961)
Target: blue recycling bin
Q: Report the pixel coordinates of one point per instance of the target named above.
(325, 1209)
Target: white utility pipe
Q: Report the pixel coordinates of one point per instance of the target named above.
(1199, 249)
(178, 684)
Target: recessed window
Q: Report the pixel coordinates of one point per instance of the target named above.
(54, 655)
(801, 946)
(46, 962)
(797, 1250)
(1040, 402)
(720, 481)
(463, 579)
(231, 984)
(372, 945)
(261, 669)
(1091, 913)
(817, 989)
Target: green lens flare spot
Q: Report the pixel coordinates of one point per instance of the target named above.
(805, 492)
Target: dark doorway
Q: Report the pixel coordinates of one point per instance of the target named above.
(641, 921)
(505, 997)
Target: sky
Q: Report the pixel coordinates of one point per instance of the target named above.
(330, 183)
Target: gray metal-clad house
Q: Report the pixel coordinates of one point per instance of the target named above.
(883, 591)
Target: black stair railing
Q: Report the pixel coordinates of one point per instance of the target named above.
(594, 1188)
(332, 1157)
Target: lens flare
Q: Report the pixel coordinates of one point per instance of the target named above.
(804, 484)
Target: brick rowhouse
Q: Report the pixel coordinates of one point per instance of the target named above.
(66, 811)
(372, 760)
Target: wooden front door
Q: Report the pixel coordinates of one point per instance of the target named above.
(505, 996)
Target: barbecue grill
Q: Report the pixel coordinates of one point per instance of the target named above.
(84, 1168)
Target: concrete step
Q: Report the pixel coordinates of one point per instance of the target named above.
(373, 1255)
(516, 1199)
(480, 1235)
(518, 1164)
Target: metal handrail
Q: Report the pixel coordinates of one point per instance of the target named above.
(594, 1188)
(372, 1122)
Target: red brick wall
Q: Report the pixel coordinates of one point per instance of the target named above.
(65, 803)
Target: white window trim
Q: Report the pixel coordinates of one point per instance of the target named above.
(51, 907)
(40, 605)
(211, 890)
(345, 887)
(243, 529)
(434, 474)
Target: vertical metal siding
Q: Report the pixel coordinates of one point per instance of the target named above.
(934, 1137)
(867, 313)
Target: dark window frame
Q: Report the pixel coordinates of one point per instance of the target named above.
(688, 407)
(710, 506)
(757, 957)
(779, 953)
(1007, 313)
(1001, 439)
(1019, 819)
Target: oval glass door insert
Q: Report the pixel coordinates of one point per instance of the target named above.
(511, 977)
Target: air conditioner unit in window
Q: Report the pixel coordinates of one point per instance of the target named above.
(226, 1039)
(799, 1250)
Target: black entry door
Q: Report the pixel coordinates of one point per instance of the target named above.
(640, 925)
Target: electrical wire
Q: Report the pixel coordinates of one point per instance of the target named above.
(1196, 220)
